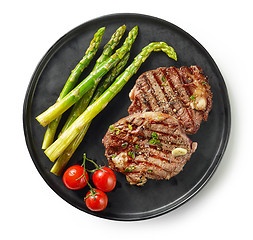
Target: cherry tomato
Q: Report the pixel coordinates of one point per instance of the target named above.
(97, 202)
(72, 174)
(104, 179)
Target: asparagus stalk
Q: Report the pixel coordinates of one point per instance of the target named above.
(57, 148)
(110, 46)
(71, 82)
(108, 81)
(72, 97)
(62, 161)
(82, 104)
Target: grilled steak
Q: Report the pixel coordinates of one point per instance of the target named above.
(183, 93)
(147, 145)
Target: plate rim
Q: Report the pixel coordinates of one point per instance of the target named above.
(208, 173)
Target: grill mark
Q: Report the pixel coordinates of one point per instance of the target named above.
(170, 128)
(152, 92)
(157, 88)
(150, 164)
(165, 94)
(131, 146)
(169, 170)
(172, 110)
(165, 123)
(135, 123)
(167, 129)
(166, 126)
(166, 161)
(190, 114)
(178, 85)
(182, 106)
(162, 134)
(185, 85)
(142, 150)
(144, 96)
(153, 154)
(121, 140)
(184, 77)
(166, 74)
(170, 90)
(188, 88)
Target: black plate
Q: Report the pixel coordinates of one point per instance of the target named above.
(155, 197)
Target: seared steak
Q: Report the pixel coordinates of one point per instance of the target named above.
(183, 93)
(147, 145)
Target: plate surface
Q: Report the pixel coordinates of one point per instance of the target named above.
(155, 197)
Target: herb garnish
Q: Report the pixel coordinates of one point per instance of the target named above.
(124, 144)
(192, 97)
(131, 154)
(114, 129)
(129, 169)
(154, 139)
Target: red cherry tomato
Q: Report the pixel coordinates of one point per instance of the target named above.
(97, 202)
(104, 179)
(72, 174)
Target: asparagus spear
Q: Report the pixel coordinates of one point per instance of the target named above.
(82, 104)
(71, 82)
(57, 148)
(108, 81)
(71, 98)
(110, 46)
(62, 161)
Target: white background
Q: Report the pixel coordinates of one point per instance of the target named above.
(29, 209)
